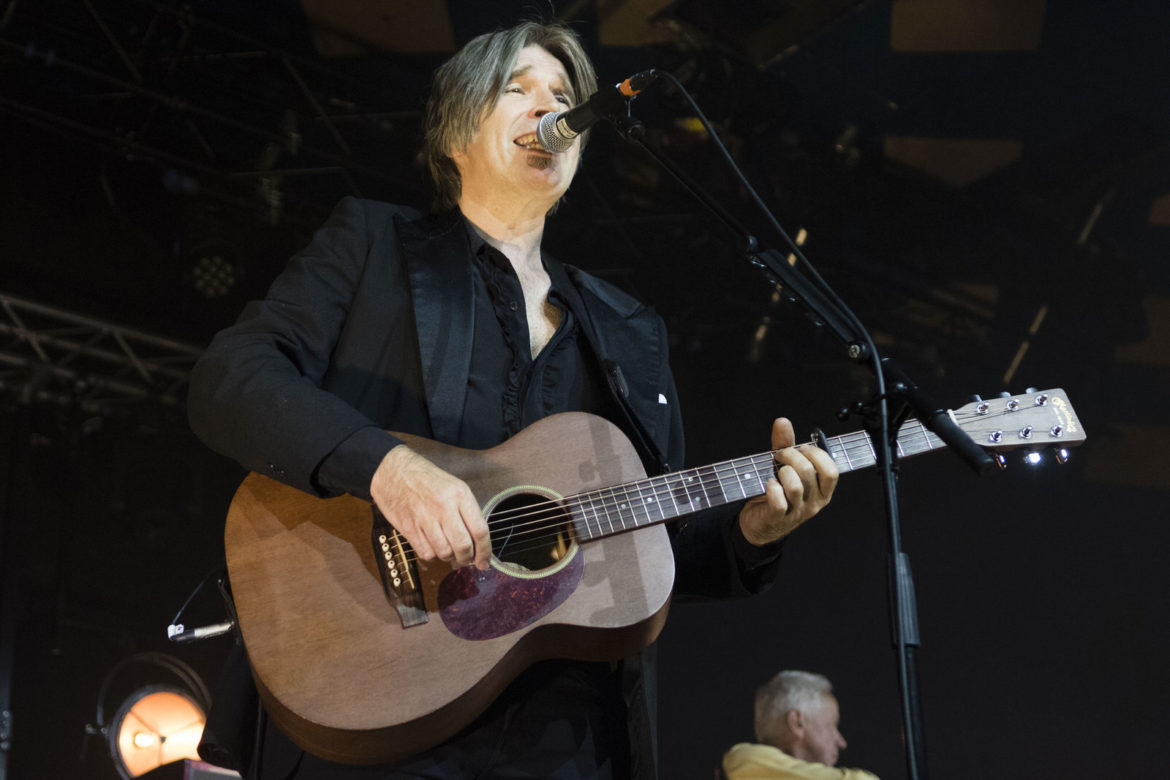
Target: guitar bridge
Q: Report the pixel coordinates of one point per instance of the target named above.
(399, 569)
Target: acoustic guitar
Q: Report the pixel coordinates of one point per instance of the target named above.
(364, 654)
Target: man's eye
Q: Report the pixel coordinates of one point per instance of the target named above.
(514, 88)
(565, 99)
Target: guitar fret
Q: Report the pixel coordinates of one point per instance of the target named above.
(608, 499)
(711, 486)
(724, 483)
(740, 477)
(628, 508)
(580, 514)
(600, 528)
(639, 503)
(913, 433)
(703, 487)
(685, 485)
(670, 493)
(647, 504)
(650, 504)
(927, 436)
(655, 486)
(930, 438)
(737, 478)
(594, 527)
(765, 470)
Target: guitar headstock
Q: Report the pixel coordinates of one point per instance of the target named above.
(1034, 420)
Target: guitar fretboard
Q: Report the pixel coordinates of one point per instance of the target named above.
(614, 510)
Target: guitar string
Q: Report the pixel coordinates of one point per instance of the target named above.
(911, 435)
(540, 535)
(625, 498)
(612, 502)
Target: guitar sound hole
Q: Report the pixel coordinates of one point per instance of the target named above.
(530, 531)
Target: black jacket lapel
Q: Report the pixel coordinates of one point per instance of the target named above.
(625, 337)
(436, 251)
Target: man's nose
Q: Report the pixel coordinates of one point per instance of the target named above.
(546, 104)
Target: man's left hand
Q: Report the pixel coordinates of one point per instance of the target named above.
(805, 479)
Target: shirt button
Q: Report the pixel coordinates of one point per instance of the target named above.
(513, 306)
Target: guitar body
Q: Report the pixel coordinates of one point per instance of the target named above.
(334, 664)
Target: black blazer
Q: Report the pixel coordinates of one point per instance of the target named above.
(369, 329)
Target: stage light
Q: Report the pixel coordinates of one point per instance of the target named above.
(162, 708)
(154, 726)
(213, 274)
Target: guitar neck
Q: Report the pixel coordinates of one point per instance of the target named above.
(626, 507)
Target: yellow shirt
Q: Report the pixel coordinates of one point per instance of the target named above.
(763, 762)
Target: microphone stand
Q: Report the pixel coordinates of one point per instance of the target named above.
(894, 388)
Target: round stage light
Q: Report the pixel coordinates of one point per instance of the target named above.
(155, 725)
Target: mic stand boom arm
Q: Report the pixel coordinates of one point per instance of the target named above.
(823, 311)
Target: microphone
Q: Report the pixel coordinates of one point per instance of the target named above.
(558, 130)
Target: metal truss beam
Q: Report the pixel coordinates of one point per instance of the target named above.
(188, 93)
(55, 356)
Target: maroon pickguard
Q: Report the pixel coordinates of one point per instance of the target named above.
(478, 604)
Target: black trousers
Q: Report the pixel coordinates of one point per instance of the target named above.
(559, 720)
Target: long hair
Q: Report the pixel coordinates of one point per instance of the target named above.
(467, 86)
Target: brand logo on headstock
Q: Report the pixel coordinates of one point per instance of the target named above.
(1065, 414)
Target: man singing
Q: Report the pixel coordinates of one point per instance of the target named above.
(456, 326)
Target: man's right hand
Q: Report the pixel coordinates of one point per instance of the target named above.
(435, 511)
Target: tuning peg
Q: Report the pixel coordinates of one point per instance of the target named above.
(1005, 394)
(1031, 390)
(1062, 456)
(976, 398)
(1033, 458)
(1001, 461)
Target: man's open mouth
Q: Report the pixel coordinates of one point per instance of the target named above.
(530, 142)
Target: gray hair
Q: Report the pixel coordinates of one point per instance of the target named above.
(788, 690)
(467, 86)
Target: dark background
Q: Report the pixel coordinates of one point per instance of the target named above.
(986, 182)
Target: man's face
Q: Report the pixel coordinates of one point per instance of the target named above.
(504, 158)
(820, 740)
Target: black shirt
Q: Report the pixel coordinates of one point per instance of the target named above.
(507, 388)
